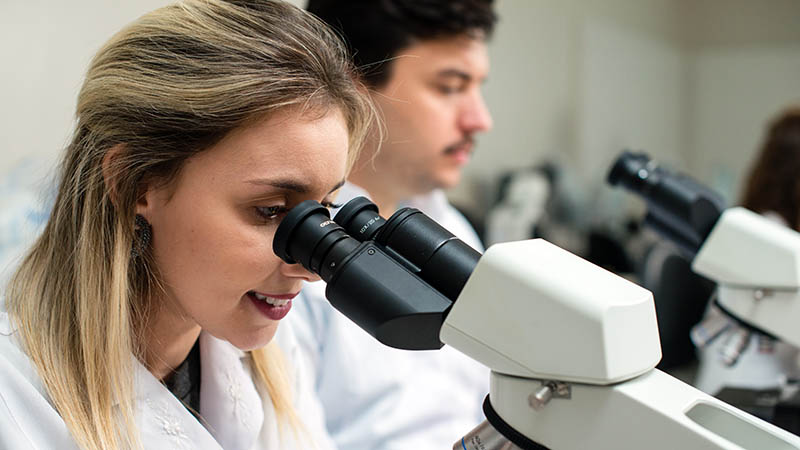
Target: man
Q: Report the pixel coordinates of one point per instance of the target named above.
(424, 62)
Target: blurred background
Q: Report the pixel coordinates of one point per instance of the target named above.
(694, 83)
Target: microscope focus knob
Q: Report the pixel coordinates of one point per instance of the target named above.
(541, 397)
(548, 391)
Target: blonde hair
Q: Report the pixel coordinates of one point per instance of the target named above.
(163, 89)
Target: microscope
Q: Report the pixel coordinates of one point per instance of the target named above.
(749, 341)
(572, 348)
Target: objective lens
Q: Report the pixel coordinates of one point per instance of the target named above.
(736, 342)
(709, 329)
(484, 437)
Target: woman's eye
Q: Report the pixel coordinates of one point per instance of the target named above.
(268, 213)
(274, 213)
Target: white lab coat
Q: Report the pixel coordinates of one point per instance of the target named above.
(377, 397)
(238, 413)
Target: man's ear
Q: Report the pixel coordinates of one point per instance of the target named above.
(110, 175)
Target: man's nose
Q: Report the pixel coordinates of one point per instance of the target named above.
(475, 117)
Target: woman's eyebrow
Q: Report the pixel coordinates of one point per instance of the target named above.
(290, 185)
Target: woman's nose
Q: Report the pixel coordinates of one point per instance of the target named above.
(298, 271)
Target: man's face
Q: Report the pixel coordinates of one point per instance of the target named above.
(433, 107)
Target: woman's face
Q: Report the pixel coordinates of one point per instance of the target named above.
(213, 225)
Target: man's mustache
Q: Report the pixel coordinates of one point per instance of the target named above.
(467, 141)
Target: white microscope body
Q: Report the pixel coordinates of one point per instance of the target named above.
(756, 264)
(572, 348)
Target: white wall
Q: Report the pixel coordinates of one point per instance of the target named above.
(46, 46)
(632, 88)
(736, 91)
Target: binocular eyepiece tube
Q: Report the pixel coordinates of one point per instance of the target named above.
(678, 207)
(395, 278)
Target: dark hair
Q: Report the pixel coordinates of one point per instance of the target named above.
(375, 30)
(774, 180)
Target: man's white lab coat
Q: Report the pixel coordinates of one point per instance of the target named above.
(377, 397)
(238, 414)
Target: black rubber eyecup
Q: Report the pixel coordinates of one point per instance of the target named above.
(288, 225)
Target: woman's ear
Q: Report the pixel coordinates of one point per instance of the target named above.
(111, 173)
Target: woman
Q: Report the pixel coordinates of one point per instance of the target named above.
(153, 294)
(773, 184)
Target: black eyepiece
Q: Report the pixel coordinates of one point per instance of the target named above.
(631, 170)
(678, 207)
(308, 236)
(360, 219)
(438, 257)
(288, 227)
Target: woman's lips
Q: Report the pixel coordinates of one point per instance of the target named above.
(279, 296)
(274, 306)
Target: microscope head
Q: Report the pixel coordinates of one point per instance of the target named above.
(748, 249)
(533, 310)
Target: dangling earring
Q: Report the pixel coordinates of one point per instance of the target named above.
(144, 233)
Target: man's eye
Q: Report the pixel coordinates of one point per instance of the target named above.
(448, 90)
(271, 212)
